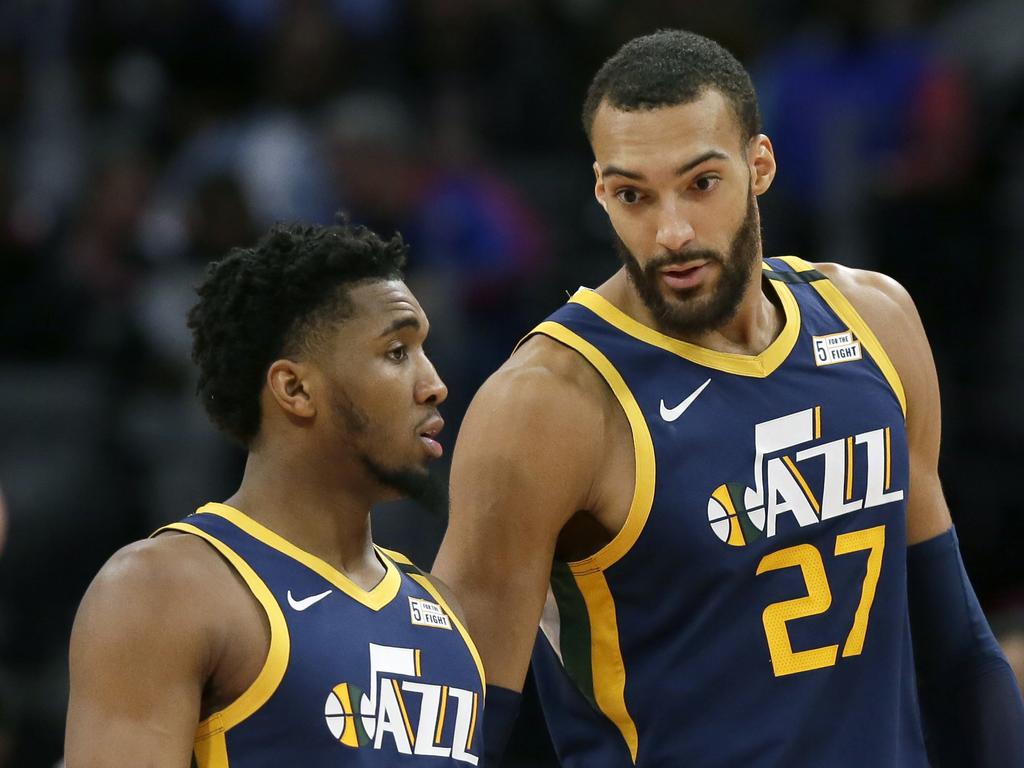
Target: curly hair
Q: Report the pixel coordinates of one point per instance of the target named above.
(260, 303)
(667, 68)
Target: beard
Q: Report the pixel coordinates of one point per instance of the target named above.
(416, 483)
(690, 314)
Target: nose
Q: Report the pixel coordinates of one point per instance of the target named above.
(674, 228)
(430, 390)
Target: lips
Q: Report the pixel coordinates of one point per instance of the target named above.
(428, 431)
(682, 276)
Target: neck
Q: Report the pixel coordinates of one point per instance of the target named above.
(757, 322)
(301, 499)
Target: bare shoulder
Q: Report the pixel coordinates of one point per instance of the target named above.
(889, 311)
(155, 588)
(532, 438)
(547, 378)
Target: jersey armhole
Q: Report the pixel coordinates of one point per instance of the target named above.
(643, 451)
(270, 675)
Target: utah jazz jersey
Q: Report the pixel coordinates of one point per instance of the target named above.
(385, 677)
(752, 610)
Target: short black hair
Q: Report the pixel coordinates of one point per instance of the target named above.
(671, 67)
(260, 303)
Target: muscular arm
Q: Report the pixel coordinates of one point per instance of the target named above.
(890, 313)
(140, 652)
(524, 464)
(972, 709)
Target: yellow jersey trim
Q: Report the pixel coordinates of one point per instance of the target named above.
(846, 312)
(212, 751)
(270, 676)
(375, 599)
(643, 451)
(424, 582)
(756, 366)
(607, 666)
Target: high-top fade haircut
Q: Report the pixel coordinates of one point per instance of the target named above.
(668, 68)
(277, 299)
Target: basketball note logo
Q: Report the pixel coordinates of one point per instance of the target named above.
(445, 720)
(739, 515)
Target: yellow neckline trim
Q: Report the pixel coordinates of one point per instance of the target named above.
(375, 599)
(757, 366)
(272, 672)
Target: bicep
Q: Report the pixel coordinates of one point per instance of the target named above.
(890, 312)
(927, 511)
(513, 487)
(136, 676)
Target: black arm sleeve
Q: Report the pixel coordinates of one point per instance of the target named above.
(972, 708)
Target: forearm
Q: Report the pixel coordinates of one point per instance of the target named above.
(972, 708)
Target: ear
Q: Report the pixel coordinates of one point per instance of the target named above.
(599, 191)
(761, 158)
(289, 383)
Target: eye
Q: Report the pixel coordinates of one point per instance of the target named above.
(706, 183)
(398, 354)
(628, 196)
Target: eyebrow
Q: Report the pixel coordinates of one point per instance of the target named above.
(408, 321)
(689, 165)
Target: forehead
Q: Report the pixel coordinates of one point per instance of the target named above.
(382, 302)
(665, 135)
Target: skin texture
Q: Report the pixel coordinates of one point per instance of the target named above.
(544, 460)
(168, 633)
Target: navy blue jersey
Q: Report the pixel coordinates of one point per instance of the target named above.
(752, 610)
(385, 677)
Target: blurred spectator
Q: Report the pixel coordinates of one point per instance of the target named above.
(476, 245)
(141, 139)
(3, 521)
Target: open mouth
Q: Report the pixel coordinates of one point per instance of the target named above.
(428, 434)
(683, 276)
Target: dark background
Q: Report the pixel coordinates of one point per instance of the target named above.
(139, 139)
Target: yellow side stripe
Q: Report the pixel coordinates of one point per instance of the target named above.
(608, 668)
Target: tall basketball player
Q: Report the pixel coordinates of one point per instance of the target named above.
(269, 629)
(713, 479)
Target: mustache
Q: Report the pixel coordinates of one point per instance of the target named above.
(671, 259)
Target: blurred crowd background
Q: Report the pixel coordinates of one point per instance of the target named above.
(141, 139)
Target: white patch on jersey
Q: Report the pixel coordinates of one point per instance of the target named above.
(836, 348)
(424, 613)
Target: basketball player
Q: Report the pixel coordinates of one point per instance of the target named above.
(712, 480)
(269, 629)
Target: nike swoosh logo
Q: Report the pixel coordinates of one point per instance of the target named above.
(671, 414)
(304, 603)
